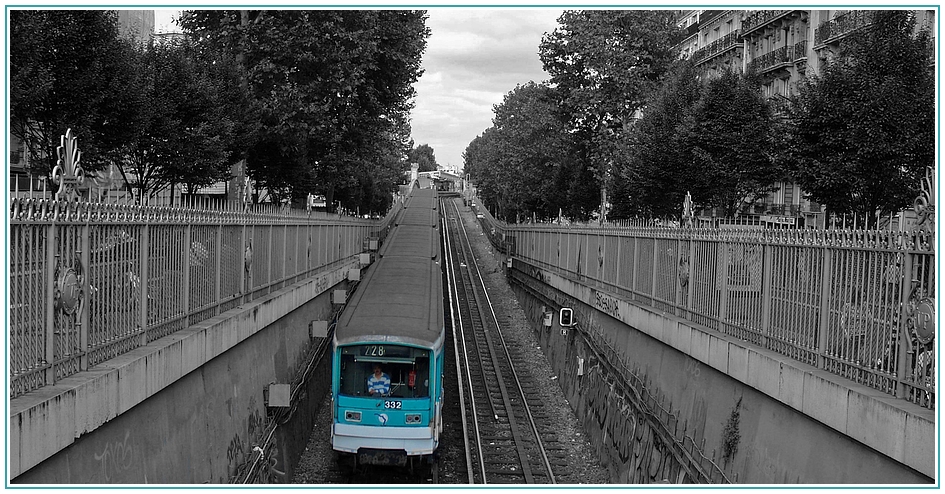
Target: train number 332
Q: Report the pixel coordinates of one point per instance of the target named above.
(393, 404)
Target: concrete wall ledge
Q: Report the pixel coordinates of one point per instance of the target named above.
(46, 421)
(894, 427)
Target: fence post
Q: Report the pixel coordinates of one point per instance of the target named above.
(269, 262)
(285, 252)
(84, 256)
(722, 276)
(217, 267)
(692, 279)
(904, 346)
(185, 285)
(51, 265)
(766, 292)
(825, 294)
(144, 249)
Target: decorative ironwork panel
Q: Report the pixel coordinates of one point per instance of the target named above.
(665, 282)
(231, 262)
(643, 274)
(704, 277)
(795, 291)
(68, 298)
(611, 254)
(114, 290)
(293, 247)
(278, 250)
(594, 260)
(166, 306)
(261, 260)
(28, 305)
(202, 259)
(627, 263)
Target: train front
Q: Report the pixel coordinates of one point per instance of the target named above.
(386, 404)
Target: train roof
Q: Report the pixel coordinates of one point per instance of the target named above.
(420, 241)
(400, 298)
(399, 301)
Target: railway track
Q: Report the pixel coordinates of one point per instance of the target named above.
(507, 440)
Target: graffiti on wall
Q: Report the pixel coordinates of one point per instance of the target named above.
(242, 453)
(114, 461)
(634, 435)
(626, 441)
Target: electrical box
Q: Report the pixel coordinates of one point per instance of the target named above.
(580, 369)
(354, 275)
(279, 395)
(338, 297)
(547, 319)
(318, 329)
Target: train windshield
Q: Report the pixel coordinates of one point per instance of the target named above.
(385, 370)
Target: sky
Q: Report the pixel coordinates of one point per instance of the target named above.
(474, 57)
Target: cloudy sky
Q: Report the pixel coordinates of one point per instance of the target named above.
(474, 57)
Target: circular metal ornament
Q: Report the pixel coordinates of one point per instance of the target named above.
(68, 291)
(922, 319)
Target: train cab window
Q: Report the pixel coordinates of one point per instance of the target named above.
(407, 368)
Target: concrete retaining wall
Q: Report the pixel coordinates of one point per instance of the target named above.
(186, 409)
(764, 418)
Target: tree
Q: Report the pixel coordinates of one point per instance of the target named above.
(603, 64)
(333, 88)
(68, 69)
(423, 156)
(523, 161)
(863, 131)
(729, 132)
(186, 120)
(657, 173)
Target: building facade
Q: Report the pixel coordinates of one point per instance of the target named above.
(783, 47)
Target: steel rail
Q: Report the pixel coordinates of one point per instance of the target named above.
(457, 321)
(474, 272)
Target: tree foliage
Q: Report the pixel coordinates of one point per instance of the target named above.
(602, 65)
(729, 139)
(863, 131)
(657, 173)
(424, 157)
(520, 156)
(68, 69)
(188, 117)
(333, 89)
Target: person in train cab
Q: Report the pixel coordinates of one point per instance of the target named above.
(379, 382)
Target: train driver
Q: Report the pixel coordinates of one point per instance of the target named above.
(379, 382)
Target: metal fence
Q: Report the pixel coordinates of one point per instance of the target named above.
(856, 303)
(90, 281)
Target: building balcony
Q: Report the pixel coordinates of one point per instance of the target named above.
(762, 18)
(780, 58)
(838, 27)
(717, 47)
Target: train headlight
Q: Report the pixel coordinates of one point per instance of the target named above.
(352, 416)
(413, 418)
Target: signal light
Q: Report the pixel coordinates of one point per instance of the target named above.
(566, 317)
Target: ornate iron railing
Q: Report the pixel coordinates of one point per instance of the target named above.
(720, 45)
(89, 281)
(841, 25)
(856, 303)
(760, 18)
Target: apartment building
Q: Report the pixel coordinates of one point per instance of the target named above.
(783, 47)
